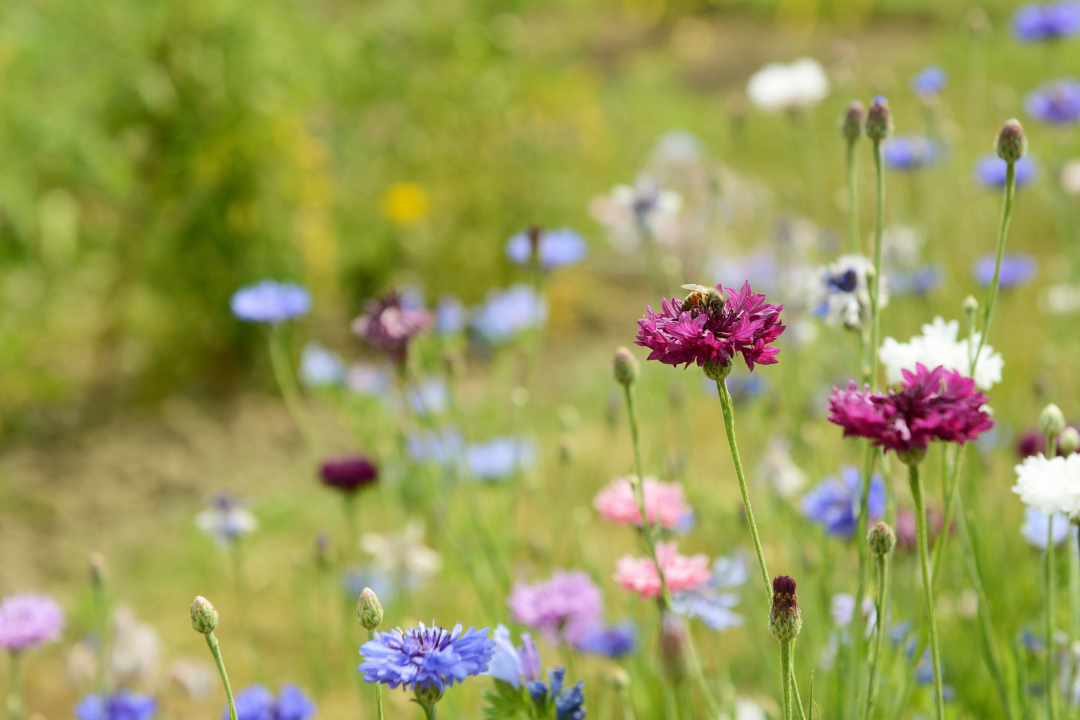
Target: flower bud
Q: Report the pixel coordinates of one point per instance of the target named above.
(717, 371)
(369, 610)
(1051, 420)
(971, 305)
(619, 679)
(204, 617)
(673, 645)
(785, 618)
(1011, 141)
(879, 123)
(881, 538)
(98, 569)
(1068, 441)
(851, 126)
(626, 366)
(428, 695)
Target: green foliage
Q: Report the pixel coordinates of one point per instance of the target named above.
(505, 702)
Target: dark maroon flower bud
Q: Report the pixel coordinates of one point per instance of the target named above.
(1011, 143)
(879, 123)
(851, 125)
(533, 233)
(785, 618)
(348, 473)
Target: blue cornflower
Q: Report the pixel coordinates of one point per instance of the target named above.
(426, 658)
(270, 302)
(835, 502)
(443, 448)
(909, 152)
(514, 665)
(929, 81)
(712, 602)
(450, 316)
(121, 705)
(1034, 22)
(612, 641)
(293, 704)
(430, 397)
(569, 702)
(499, 457)
(899, 631)
(924, 670)
(990, 171)
(556, 247)
(1034, 643)
(252, 703)
(320, 367)
(1016, 269)
(1036, 526)
(919, 281)
(506, 313)
(1056, 102)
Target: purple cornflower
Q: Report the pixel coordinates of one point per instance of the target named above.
(270, 302)
(569, 702)
(556, 248)
(610, 641)
(252, 703)
(426, 658)
(929, 81)
(713, 602)
(514, 665)
(320, 367)
(990, 171)
(1035, 22)
(711, 336)
(564, 607)
(388, 325)
(293, 704)
(27, 620)
(920, 281)
(506, 313)
(835, 502)
(1016, 269)
(1056, 102)
(936, 404)
(499, 458)
(909, 152)
(121, 705)
(348, 473)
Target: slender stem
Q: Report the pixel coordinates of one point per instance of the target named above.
(349, 506)
(879, 631)
(729, 425)
(430, 711)
(378, 687)
(928, 583)
(101, 609)
(624, 702)
(1051, 692)
(859, 640)
(853, 207)
(15, 701)
(290, 391)
(795, 687)
(992, 291)
(216, 652)
(1074, 588)
(875, 289)
(785, 677)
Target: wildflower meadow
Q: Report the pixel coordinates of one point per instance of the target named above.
(540, 360)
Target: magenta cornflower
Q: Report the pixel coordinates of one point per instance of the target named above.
(388, 325)
(27, 620)
(348, 473)
(936, 404)
(565, 607)
(710, 327)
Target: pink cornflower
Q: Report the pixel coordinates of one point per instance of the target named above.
(565, 607)
(936, 404)
(664, 503)
(27, 620)
(388, 325)
(680, 572)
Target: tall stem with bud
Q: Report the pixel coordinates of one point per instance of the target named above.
(369, 613)
(204, 619)
(928, 581)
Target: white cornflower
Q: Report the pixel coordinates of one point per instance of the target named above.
(1070, 177)
(778, 87)
(938, 345)
(840, 292)
(403, 552)
(226, 520)
(1050, 484)
(627, 211)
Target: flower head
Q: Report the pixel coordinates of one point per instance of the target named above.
(936, 404)
(450, 316)
(645, 208)
(389, 324)
(320, 367)
(403, 552)
(499, 457)
(507, 313)
(1016, 269)
(665, 503)
(1037, 526)
(835, 502)
(611, 641)
(555, 248)
(1056, 102)
(929, 82)
(938, 346)
(226, 520)
(778, 87)
(1035, 22)
(1050, 484)
(909, 152)
(785, 618)
(348, 473)
(680, 572)
(711, 336)
(270, 301)
(514, 665)
(840, 292)
(28, 620)
(252, 703)
(564, 607)
(424, 658)
(293, 704)
(713, 602)
(990, 171)
(121, 705)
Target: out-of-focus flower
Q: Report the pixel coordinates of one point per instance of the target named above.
(842, 609)
(514, 665)
(406, 203)
(122, 705)
(990, 171)
(388, 325)
(450, 316)
(320, 367)
(426, 657)
(610, 641)
(403, 552)
(81, 662)
(270, 302)
(1016, 269)
(909, 152)
(430, 397)
(938, 346)
(348, 473)
(747, 709)
(136, 650)
(680, 572)
(713, 602)
(368, 379)
(644, 207)
(556, 248)
(1037, 526)
(918, 281)
(444, 448)
(835, 502)
(567, 606)
(665, 503)
(779, 471)
(28, 620)
(253, 703)
(507, 313)
(194, 677)
(789, 88)
(226, 520)
(840, 292)
(1050, 484)
(1056, 102)
(905, 525)
(743, 388)
(1070, 177)
(293, 704)
(901, 246)
(499, 457)
(1037, 22)
(1033, 442)
(381, 583)
(929, 82)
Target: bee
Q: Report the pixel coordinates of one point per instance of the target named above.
(705, 298)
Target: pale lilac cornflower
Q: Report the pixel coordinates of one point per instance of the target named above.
(610, 641)
(556, 248)
(505, 314)
(1016, 270)
(759, 268)
(713, 602)
(909, 152)
(562, 608)
(929, 82)
(320, 367)
(450, 316)
(270, 301)
(499, 458)
(1036, 527)
(226, 520)
(389, 324)
(514, 665)
(430, 397)
(1056, 102)
(918, 281)
(1038, 22)
(121, 705)
(842, 610)
(369, 379)
(28, 620)
(990, 171)
(835, 502)
(426, 658)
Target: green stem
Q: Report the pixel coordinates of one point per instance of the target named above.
(785, 677)
(992, 291)
(101, 609)
(1074, 589)
(430, 711)
(875, 289)
(1051, 691)
(290, 391)
(928, 583)
(378, 687)
(216, 652)
(15, 701)
(853, 207)
(349, 506)
(795, 686)
(879, 627)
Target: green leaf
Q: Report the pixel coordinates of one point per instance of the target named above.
(505, 702)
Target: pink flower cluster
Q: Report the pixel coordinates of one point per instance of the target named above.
(27, 620)
(388, 326)
(936, 404)
(664, 503)
(746, 325)
(680, 572)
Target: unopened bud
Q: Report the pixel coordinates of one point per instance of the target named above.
(369, 610)
(971, 305)
(785, 618)
(428, 695)
(98, 569)
(619, 679)
(673, 645)
(1069, 441)
(1051, 420)
(717, 371)
(204, 617)
(881, 538)
(1011, 141)
(626, 366)
(879, 123)
(851, 126)
(978, 21)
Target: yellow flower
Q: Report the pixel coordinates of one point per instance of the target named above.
(405, 203)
